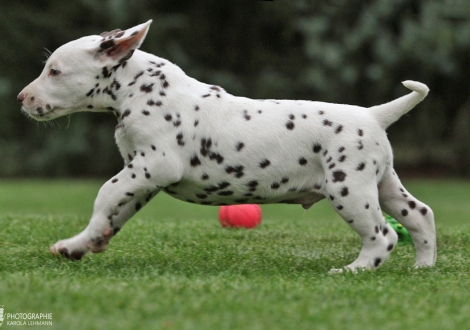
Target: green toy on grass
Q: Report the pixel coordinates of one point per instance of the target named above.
(403, 235)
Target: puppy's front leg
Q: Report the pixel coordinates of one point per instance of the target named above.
(117, 201)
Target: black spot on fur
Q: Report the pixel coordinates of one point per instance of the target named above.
(316, 148)
(125, 113)
(338, 129)
(385, 231)
(360, 132)
(224, 184)
(168, 117)
(135, 78)
(367, 206)
(106, 73)
(404, 212)
(238, 170)
(146, 88)
(205, 146)
(360, 167)
(302, 161)
(201, 196)
(179, 139)
(423, 211)
(145, 112)
(252, 184)
(264, 163)
(290, 125)
(225, 193)
(138, 206)
(216, 156)
(339, 176)
(195, 161)
(342, 158)
(390, 247)
(246, 115)
(344, 191)
(240, 146)
(377, 262)
(327, 123)
(114, 180)
(275, 185)
(411, 204)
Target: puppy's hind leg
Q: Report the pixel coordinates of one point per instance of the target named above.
(414, 215)
(360, 209)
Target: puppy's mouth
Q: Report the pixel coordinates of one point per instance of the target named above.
(41, 113)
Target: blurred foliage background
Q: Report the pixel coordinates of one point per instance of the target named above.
(342, 51)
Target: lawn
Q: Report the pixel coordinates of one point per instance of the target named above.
(174, 267)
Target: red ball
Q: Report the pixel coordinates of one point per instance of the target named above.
(238, 216)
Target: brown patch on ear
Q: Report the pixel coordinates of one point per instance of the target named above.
(118, 46)
(121, 48)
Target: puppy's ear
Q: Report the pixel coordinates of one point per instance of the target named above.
(118, 46)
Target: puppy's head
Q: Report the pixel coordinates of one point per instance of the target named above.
(78, 75)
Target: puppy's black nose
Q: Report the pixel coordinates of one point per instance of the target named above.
(21, 97)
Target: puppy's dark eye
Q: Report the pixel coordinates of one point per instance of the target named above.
(54, 72)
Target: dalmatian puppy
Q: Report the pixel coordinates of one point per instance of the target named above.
(202, 145)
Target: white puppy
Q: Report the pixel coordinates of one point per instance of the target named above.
(202, 145)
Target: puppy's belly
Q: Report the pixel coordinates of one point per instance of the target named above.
(224, 193)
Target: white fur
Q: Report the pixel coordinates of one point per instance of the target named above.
(200, 144)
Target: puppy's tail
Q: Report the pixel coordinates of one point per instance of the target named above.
(388, 113)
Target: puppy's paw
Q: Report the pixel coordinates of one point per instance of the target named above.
(61, 248)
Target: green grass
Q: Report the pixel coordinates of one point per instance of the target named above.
(174, 267)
